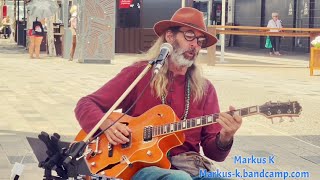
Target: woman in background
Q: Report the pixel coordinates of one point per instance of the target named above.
(275, 40)
(73, 27)
(35, 36)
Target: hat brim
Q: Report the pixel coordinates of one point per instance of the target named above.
(161, 26)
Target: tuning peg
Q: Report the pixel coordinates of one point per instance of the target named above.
(281, 120)
(291, 119)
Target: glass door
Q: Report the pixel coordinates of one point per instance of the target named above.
(203, 7)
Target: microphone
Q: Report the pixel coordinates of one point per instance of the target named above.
(165, 51)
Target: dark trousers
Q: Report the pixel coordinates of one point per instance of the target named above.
(275, 41)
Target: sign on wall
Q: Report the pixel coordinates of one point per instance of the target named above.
(305, 8)
(4, 10)
(125, 4)
(290, 13)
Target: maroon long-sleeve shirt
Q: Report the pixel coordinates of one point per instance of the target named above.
(90, 109)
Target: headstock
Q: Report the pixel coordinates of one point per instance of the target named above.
(280, 109)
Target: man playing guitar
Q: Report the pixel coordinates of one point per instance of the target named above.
(179, 84)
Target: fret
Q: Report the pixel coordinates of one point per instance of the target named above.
(193, 122)
(244, 111)
(171, 127)
(198, 121)
(161, 129)
(179, 126)
(153, 131)
(237, 112)
(175, 126)
(184, 125)
(165, 129)
(158, 130)
(204, 120)
(188, 123)
(210, 119)
(253, 109)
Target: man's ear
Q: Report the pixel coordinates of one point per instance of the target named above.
(169, 36)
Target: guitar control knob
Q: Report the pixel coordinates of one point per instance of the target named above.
(149, 153)
(93, 163)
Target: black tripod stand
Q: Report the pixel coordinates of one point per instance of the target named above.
(57, 152)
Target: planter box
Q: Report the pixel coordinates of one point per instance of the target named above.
(314, 59)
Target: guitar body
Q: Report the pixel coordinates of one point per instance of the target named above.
(139, 153)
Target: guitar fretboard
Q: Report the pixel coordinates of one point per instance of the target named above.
(198, 122)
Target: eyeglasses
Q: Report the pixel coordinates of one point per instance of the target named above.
(190, 36)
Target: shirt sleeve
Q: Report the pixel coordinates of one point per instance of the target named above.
(90, 109)
(209, 133)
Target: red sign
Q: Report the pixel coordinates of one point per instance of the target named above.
(125, 4)
(4, 11)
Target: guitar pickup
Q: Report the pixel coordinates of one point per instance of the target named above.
(128, 143)
(147, 133)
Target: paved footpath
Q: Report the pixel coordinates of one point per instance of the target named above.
(40, 95)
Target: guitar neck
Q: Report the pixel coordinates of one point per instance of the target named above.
(199, 121)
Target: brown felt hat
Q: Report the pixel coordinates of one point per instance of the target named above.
(186, 17)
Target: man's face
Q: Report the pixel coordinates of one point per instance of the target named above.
(186, 46)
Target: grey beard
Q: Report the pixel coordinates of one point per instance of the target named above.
(179, 60)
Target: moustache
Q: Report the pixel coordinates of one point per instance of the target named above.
(190, 50)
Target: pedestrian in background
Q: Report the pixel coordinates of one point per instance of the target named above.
(73, 27)
(6, 23)
(275, 22)
(35, 36)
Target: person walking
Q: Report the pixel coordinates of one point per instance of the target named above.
(36, 35)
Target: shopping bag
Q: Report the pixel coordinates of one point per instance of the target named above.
(268, 44)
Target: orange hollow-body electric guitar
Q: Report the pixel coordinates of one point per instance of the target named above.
(156, 132)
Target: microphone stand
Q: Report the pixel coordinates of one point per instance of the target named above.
(78, 150)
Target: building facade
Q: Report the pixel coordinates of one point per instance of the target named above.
(293, 14)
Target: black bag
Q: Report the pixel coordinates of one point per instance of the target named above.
(37, 28)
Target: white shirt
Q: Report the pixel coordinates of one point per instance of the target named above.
(274, 24)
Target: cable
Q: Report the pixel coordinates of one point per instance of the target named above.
(18, 168)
